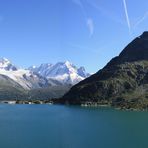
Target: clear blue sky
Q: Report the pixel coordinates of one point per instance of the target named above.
(85, 32)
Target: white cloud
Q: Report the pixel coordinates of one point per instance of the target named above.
(90, 25)
(89, 21)
(106, 12)
(127, 16)
(77, 2)
(141, 19)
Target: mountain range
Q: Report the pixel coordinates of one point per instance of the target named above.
(123, 82)
(51, 80)
(63, 72)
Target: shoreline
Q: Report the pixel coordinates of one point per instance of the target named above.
(84, 105)
(27, 102)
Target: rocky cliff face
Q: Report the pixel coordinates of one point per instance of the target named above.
(122, 82)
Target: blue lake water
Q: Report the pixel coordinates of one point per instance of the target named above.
(44, 126)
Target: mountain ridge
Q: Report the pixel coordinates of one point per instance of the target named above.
(64, 72)
(26, 83)
(122, 82)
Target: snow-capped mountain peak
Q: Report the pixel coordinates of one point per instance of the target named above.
(64, 72)
(82, 72)
(25, 78)
(4, 60)
(5, 64)
(67, 63)
(61, 73)
(42, 69)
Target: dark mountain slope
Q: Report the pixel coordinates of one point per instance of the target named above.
(9, 89)
(122, 82)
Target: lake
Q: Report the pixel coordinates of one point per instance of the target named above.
(55, 126)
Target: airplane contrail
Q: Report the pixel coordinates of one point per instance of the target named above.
(90, 25)
(127, 16)
(89, 21)
(107, 13)
(141, 20)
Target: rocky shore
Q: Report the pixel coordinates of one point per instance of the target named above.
(27, 102)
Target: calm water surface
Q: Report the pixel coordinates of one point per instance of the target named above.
(44, 126)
